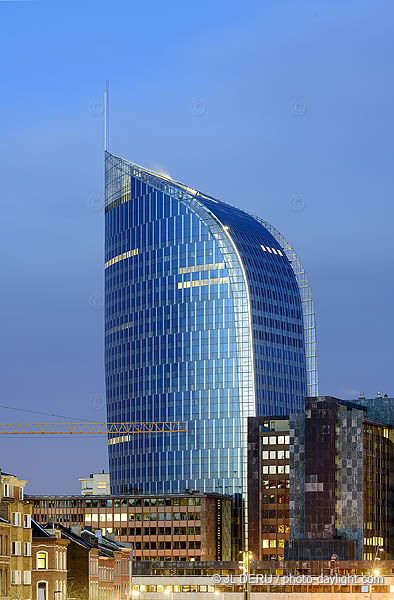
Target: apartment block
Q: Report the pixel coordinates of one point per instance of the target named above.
(16, 538)
(5, 559)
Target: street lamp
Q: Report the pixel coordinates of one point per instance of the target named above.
(169, 591)
(374, 570)
(247, 557)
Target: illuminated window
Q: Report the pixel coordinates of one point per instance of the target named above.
(120, 257)
(265, 543)
(101, 484)
(42, 559)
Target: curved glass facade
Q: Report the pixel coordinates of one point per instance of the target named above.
(203, 323)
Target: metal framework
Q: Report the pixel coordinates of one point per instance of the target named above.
(78, 428)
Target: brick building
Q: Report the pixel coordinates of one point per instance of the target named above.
(268, 486)
(193, 526)
(98, 567)
(49, 564)
(16, 538)
(5, 558)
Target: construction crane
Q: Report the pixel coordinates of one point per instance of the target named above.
(78, 428)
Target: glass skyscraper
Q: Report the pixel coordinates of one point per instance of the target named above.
(208, 320)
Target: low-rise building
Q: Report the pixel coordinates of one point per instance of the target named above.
(95, 485)
(98, 567)
(277, 580)
(49, 564)
(194, 526)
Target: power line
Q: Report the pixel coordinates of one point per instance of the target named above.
(37, 412)
(62, 437)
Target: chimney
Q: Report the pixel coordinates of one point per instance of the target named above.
(99, 535)
(76, 530)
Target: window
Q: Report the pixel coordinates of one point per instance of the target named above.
(42, 559)
(27, 577)
(16, 548)
(42, 590)
(8, 490)
(27, 549)
(17, 519)
(16, 578)
(27, 521)
(21, 493)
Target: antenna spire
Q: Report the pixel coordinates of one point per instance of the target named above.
(106, 117)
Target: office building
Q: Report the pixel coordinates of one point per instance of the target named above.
(280, 580)
(268, 487)
(209, 320)
(321, 483)
(178, 527)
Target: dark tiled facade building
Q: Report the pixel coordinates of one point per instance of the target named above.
(174, 527)
(321, 483)
(341, 482)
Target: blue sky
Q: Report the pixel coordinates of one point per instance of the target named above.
(282, 107)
